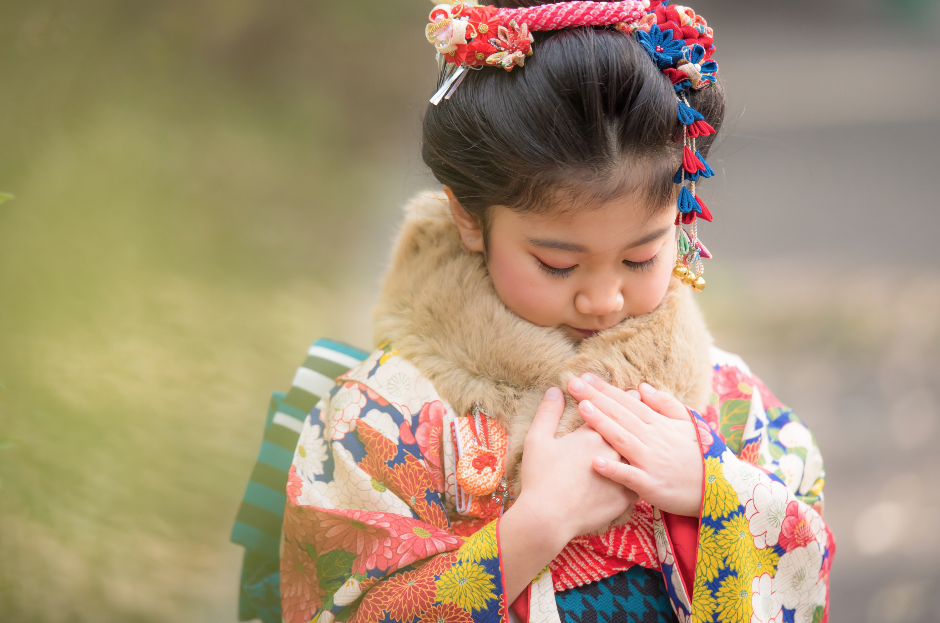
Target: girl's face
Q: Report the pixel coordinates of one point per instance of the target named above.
(583, 271)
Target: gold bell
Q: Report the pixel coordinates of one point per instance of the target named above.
(688, 279)
(680, 271)
(698, 284)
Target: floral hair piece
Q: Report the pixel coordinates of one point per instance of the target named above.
(680, 42)
(469, 36)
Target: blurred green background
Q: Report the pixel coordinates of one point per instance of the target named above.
(204, 187)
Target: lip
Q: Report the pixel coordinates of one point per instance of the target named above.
(586, 332)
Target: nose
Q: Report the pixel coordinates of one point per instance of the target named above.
(599, 298)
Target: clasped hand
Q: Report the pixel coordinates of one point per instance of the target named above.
(656, 437)
(633, 443)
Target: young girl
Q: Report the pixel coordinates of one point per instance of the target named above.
(545, 432)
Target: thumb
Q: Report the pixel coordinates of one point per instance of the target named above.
(548, 415)
(663, 402)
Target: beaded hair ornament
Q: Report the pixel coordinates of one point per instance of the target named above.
(469, 36)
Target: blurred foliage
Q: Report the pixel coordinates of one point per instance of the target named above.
(189, 175)
(6, 443)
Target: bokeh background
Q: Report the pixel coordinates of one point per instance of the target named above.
(204, 187)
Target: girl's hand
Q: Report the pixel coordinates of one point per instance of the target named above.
(562, 496)
(559, 485)
(654, 433)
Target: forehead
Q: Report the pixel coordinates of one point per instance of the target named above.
(613, 224)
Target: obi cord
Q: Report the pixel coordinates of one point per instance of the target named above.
(470, 36)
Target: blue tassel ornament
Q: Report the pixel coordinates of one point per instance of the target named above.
(677, 178)
(708, 170)
(688, 115)
(687, 202)
(705, 172)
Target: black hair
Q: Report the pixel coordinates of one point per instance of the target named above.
(589, 117)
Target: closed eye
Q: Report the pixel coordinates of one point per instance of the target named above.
(555, 272)
(641, 267)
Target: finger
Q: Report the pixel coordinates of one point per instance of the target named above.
(620, 439)
(610, 406)
(663, 402)
(627, 475)
(548, 415)
(606, 388)
(629, 399)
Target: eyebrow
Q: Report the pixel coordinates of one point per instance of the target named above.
(656, 235)
(551, 243)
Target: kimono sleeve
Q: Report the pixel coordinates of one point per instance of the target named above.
(764, 552)
(366, 535)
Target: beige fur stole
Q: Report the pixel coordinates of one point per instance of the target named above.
(439, 310)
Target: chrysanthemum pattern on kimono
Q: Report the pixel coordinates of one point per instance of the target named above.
(366, 531)
(372, 533)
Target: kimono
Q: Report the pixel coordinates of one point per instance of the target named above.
(402, 471)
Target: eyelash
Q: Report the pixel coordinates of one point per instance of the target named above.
(556, 272)
(641, 266)
(564, 272)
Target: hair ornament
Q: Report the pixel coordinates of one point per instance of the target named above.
(660, 45)
(469, 36)
(680, 42)
(700, 74)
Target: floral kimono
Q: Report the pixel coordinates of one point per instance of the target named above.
(401, 473)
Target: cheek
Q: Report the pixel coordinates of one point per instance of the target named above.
(521, 286)
(650, 288)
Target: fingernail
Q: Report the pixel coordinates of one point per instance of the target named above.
(602, 463)
(553, 393)
(588, 407)
(633, 393)
(576, 385)
(647, 388)
(588, 378)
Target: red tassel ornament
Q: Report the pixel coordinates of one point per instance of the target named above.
(690, 162)
(700, 128)
(706, 213)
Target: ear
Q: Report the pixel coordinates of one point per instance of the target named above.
(470, 231)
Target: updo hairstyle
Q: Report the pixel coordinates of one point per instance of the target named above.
(588, 119)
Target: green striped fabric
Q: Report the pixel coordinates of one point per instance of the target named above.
(258, 523)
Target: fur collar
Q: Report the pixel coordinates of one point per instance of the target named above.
(439, 310)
